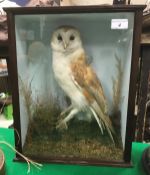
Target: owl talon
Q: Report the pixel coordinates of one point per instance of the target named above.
(62, 125)
(61, 116)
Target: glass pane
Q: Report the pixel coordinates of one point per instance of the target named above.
(62, 111)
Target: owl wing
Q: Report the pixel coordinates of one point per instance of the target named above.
(86, 78)
(88, 83)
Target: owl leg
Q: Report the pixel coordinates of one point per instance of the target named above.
(63, 123)
(66, 110)
(63, 113)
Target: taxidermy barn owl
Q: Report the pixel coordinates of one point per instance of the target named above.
(77, 79)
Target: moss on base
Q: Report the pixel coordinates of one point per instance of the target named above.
(82, 139)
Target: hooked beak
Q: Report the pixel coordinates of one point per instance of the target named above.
(65, 44)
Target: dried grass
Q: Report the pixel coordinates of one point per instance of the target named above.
(117, 85)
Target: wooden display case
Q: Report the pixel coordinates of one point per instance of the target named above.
(111, 37)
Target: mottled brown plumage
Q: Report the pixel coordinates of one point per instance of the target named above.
(86, 78)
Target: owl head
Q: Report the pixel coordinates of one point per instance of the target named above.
(66, 39)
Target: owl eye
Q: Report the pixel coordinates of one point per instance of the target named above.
(59, 37)
(72, 38)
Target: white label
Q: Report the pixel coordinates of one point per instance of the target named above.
(119, 24)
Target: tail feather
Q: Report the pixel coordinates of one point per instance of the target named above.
(98, 121)
(103, 120)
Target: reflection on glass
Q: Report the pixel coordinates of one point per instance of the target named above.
(43, 100)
